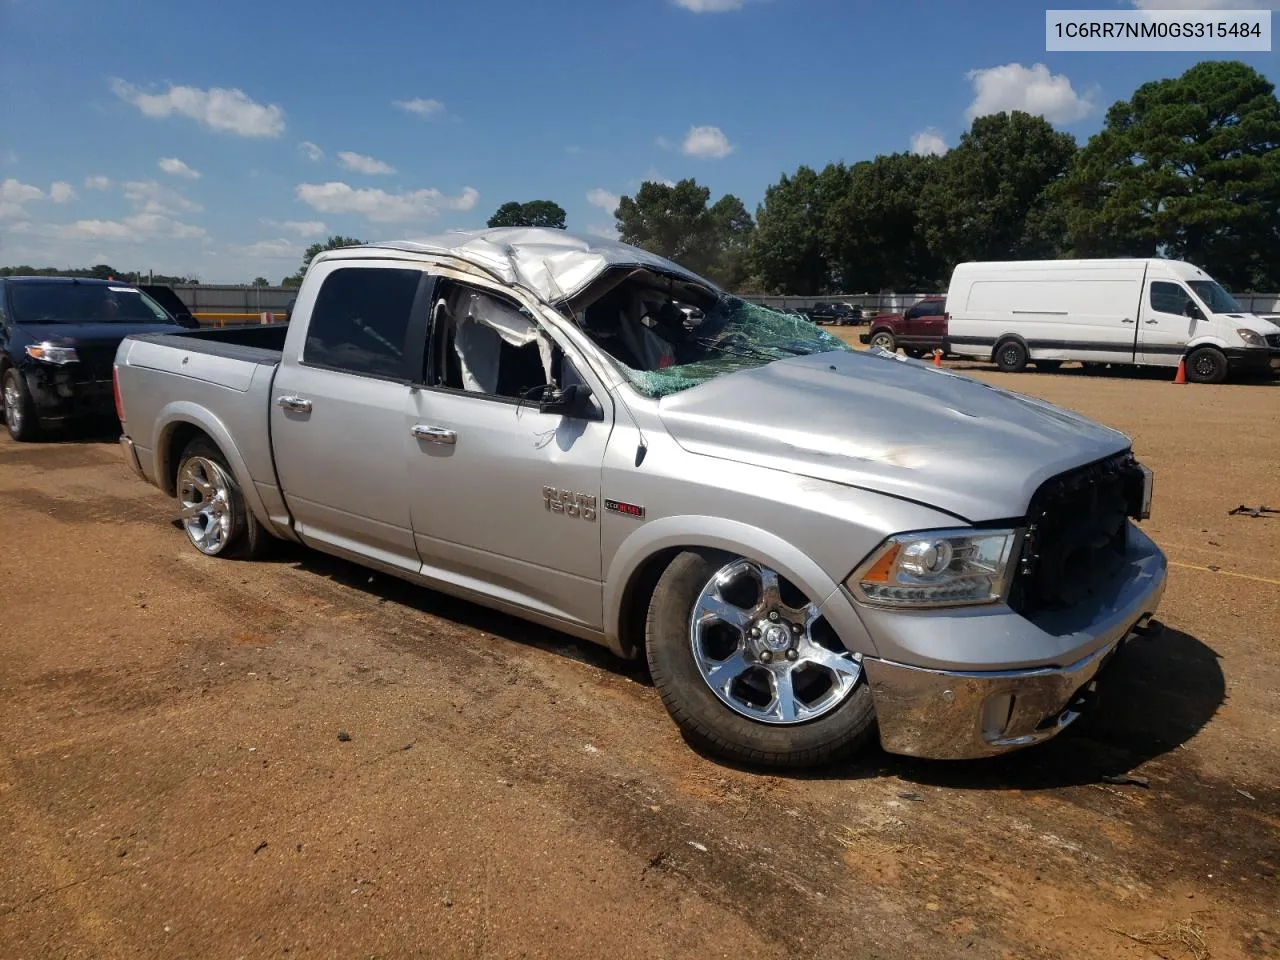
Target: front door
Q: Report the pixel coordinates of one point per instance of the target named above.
(339, 410)
(1165, 328)
(506, 499)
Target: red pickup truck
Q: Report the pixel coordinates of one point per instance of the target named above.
(919, 331)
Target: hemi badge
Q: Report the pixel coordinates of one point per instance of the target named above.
(626, 509)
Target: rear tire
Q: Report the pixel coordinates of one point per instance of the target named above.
(1206, 365)
(826, 721)
(19, 409)
(214, 515)
(915, 354)
(1011, 356)
(884, 340)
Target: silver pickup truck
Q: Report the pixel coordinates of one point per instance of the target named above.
(807, 542)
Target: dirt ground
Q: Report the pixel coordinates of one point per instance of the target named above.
(203, 758)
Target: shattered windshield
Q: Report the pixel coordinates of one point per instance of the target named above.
(665, 345)
(1215, 298)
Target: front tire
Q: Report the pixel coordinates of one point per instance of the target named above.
(884, 340)
(211, 505)
(1206, 365)
(787, 695)
(1011, 356)
(19, 410)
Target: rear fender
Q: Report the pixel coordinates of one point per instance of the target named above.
(179, 412)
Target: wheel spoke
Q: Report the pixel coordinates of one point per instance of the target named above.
(717, 608)
(784, 706)
(770, 595)
(840, 664)
(190, 510)
(723, 673)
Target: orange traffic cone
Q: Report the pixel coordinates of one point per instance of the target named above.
(1181, 375)
(937, 358)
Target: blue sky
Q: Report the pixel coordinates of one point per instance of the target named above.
(220, 139)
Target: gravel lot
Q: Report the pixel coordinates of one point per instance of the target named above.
(206, 758)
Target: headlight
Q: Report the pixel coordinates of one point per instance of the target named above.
(937, 568)
(52, 353)
(1251, 337)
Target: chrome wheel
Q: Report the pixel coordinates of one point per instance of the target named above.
(765, 650)
(205, 494)
(884, 341)
(12, 404)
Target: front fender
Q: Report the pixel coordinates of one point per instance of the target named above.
(1207, 341)
(731, 536)
(179, 412)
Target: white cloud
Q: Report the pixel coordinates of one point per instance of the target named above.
(156, 198)
(420, 106)
(380, 206)
(97, 182)
(62, 192)
(134, 229)
(603, 230)
(1032, 89)
(362, 164)
(13, 195)
(928, 143)
(311, 151)
(279, 249)
(602, 198)
(1206, 4)
(218, 108)
(706, 143)
(303, 228)
(175, 167)
(709, 6)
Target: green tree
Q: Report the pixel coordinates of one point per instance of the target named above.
(675, 222)
(872, 230)
(991, 198)
(260, 282)
(789, 250)
(333, 243)
(534, 213)
(1188, 168)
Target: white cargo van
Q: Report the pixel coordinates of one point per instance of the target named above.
(1131, 311)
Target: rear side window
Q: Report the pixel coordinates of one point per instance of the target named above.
(1168, 297)
(360, 321)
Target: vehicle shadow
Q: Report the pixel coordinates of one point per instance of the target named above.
(1113, 372)
(463, 613)
(1155, 696)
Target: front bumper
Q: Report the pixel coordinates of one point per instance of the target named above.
(67, 393)
(1253, 358)
(963, 713)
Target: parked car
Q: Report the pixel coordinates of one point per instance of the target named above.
(1150, 312)
(836, 313)
(591, 437)
(58, 336)
(920, 330)
(168, 298)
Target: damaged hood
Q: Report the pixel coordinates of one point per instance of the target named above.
(554, 264)
(898, 427)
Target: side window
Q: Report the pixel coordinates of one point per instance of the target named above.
(360, 320)
(1168, 297)
(489, 345)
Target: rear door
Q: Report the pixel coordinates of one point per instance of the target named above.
(339, 411)
(1165, 328)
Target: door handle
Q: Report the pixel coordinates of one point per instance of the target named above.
(294, 404)
(1127, 320)
(1153, 321)
(421, 431)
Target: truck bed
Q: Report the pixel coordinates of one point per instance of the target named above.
(218, 381)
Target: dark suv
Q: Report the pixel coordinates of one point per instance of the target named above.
(58, 339)
(837, 313)
(918, 331)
